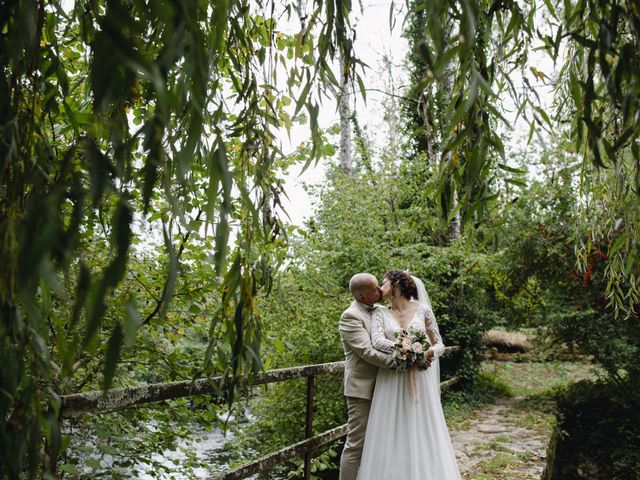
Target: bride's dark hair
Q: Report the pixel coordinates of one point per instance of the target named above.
(401, 279)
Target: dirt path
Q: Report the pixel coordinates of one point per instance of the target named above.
(506, 440)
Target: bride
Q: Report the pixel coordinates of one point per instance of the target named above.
(407, 436)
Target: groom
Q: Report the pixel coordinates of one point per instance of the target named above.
(360, 367)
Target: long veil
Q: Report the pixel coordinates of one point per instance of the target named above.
(423, 299)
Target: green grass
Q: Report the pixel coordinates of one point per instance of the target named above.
(499, 465)
(535, 381)
(492, 446)
(535, 378)
(532, 417)
(534, 384)
(459, 407)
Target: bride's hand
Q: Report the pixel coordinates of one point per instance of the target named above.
(424, 365)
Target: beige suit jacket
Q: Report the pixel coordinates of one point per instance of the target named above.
(361, 358)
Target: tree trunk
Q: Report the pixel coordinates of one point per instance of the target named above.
(454, 226)
(346, 157)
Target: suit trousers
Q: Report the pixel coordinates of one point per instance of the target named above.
(358, 411)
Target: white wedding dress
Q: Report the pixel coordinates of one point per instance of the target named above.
(407, 436)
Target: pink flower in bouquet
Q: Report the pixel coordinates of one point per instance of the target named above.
(417, 347)
(406, 344)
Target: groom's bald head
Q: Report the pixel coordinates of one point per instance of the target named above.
(364, 288)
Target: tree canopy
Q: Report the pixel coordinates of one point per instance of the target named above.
(142, 183)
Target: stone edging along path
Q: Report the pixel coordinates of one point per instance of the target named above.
(503, 441)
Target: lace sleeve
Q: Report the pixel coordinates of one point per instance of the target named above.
(431, 326)
(378, 339)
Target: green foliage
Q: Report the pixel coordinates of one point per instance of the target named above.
(561, 253)
(534, 244)
(605, 421)
(138, 137)
(462, 58)
(123, 118)
(540, 281)
(300, 322)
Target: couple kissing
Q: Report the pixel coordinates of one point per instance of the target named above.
(396, 427)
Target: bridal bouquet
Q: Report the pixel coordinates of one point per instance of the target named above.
(409, 349)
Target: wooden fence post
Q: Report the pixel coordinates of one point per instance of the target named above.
(308, 433)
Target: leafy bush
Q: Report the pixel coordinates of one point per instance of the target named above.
(552, 271)
(596, 436)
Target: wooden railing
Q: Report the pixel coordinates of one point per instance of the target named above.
(117, 399)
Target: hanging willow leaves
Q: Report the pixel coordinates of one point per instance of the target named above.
(593, 118)
(118, 112)
(462, 60)
(457, 46)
